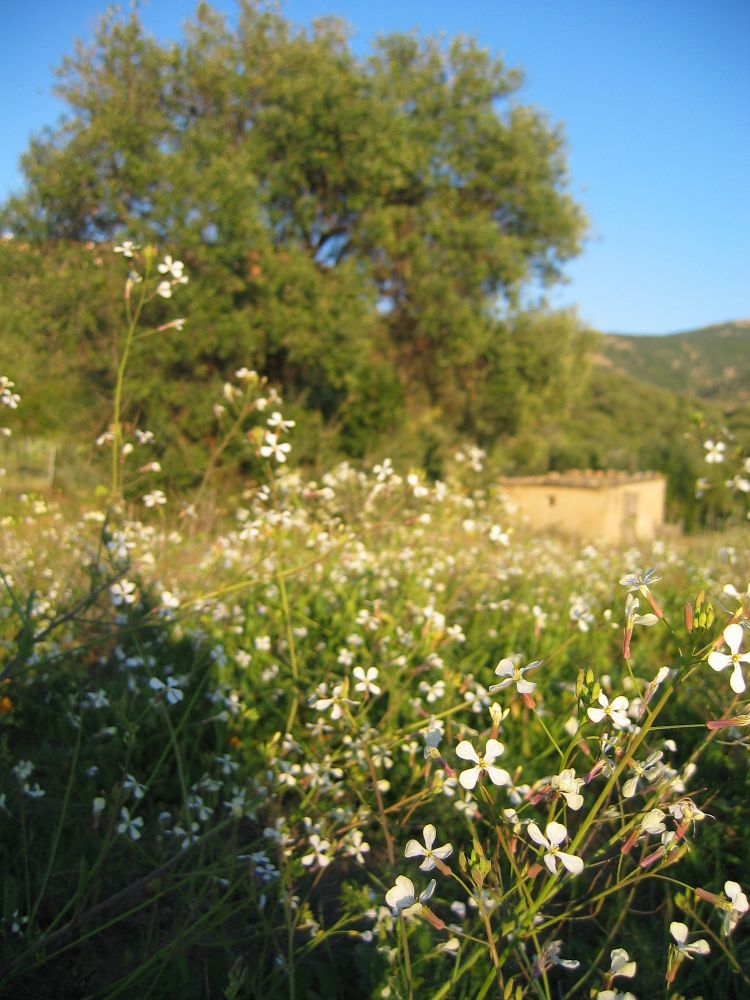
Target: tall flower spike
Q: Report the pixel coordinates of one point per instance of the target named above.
(415, 850)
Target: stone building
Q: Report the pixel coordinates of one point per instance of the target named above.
(611, 507)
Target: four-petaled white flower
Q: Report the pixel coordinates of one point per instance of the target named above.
(164, 288)
(276, 422)
(272, 448)
(621, 965)
(493, 750)
(650, 769)
(365, 680)
(719, 661)
(568, 786)
(511, 672)
(737, 906)
(614, 710)
(640, 581)
(319, 853)
(123, 592)
(680, 932)
(633, 618)
(127, 248)
(171, 689)
(415, 850)
(174, 268)
(653, 823)
(556, 834)
(131, 826)
(401, 897)
(714, 451)
(551, 956)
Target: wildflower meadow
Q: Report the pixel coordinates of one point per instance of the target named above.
(363, 735)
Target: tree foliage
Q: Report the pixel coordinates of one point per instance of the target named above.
(359, 230)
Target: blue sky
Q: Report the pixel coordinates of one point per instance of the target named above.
(652, 94)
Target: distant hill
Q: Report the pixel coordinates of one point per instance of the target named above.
(711, 363)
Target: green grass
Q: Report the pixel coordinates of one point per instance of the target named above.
(235, 778)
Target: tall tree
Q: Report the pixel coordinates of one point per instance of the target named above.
(352, 226)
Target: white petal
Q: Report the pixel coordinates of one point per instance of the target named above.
(414, 849)
(551, 863)
(737, 681)
(493, 749)
(718, 661)
(466, 751)
(595, 714)
(525, 687)
(505, 668)
(468, 779)
(427, 893)
(701, 947)
(498, 775)
(574, 800)
(429, 833)
(733, 636)
(401, 895)
(536, 835)
(678, 931)
(572, 862)
(443, 852)
(556, 833)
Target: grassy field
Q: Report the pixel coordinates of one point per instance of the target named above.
(224, 748)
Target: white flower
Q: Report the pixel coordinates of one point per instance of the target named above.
(556, 835)
(365, 680)
(738, 905)
(130, 826)
(127, 248)
(632, 617)
(621, 965)
(155, 499)
(650, 769)
(511, 672)
(271, 448)
(319, 852)
(568, 786)
(401, 898)
(164, 288)
(719, 661)
(123, 592)
(714, 451)
(493, 750)
(174, 268)
(171, 690)
(640, 581)
(615, 710)
(415, 850)
(277, 422)
(679, 932)
(551, 956)
(652, 822)
(356, 846)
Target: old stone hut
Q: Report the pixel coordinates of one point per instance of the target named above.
(609, 507)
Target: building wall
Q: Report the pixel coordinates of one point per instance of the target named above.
(609, 514)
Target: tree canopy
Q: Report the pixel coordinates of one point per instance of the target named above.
(361, 231)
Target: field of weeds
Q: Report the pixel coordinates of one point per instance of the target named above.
(369, 739)
(364, 736)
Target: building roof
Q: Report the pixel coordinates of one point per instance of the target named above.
(594, 479)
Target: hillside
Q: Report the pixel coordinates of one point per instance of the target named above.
(711, 363)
